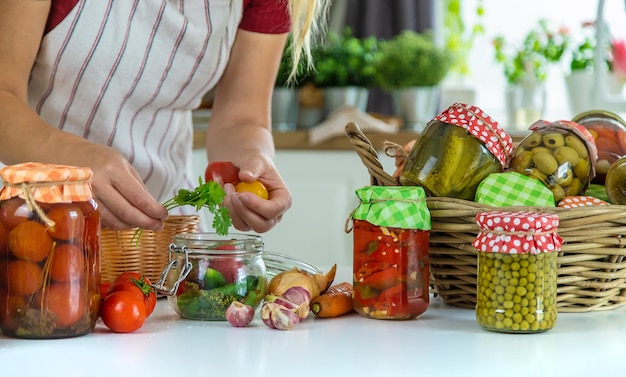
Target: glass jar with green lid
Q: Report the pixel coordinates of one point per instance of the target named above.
(391, 247)
(517, 271)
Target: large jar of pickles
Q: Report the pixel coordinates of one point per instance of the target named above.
(517, 271)
(49, 251)
(457, 150)
(391, 245)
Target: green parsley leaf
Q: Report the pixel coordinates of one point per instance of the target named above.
(209, 195)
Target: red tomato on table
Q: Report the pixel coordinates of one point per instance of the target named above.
(137, 284)
(123, 312)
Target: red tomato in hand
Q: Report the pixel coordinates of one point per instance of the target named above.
(137, 284)
(222, 172)
(123, 312)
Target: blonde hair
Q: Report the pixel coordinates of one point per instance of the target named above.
(308, 20)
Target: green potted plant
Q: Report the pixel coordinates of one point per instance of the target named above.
(344, 69)
(458, 37)
(529, 61)
(525, 68)
(411, 66)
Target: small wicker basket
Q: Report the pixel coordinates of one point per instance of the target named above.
(592, 269)
(149, 257)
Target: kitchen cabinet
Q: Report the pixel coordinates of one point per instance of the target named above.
(322, 184)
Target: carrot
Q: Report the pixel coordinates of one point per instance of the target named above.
(334, 302)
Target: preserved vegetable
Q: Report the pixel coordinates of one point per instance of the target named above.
(390, 253)
(517, 271)
(560, 154)
(49, 252)
(456, 151)
(207, 272)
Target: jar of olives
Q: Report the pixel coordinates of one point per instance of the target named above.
(456, 151)
(49, 251)
(517, 271)
(208, 271)
(562, 155)
(391, 246)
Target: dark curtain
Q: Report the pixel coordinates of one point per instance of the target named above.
(384, 19)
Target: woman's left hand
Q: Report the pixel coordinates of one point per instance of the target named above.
(250, 212)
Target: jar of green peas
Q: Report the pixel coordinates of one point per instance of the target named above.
(517, 271)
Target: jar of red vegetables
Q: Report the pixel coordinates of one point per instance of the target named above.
(49, 251)
(609, 133)
(517, 271)
(391, 245)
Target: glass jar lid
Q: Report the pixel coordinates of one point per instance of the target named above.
(523, 232)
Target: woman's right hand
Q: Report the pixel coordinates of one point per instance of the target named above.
(123, 199)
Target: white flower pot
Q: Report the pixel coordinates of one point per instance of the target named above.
(416, 105)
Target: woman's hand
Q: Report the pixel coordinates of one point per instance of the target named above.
(123, 199)
(240, 129)
(248, 211)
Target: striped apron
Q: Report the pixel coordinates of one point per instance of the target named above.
(127, 73)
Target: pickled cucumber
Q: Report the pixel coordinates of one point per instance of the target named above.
(448, 161)
(517, 292)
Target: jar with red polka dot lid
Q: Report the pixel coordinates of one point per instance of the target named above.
(517, 271)
(457, 150)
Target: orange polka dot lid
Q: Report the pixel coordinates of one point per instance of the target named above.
(521, 232)
(581, 201)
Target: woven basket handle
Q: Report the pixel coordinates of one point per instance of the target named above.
(369, 157)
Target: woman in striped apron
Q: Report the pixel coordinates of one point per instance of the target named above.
(110, 85)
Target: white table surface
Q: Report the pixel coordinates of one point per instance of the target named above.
(444, 341)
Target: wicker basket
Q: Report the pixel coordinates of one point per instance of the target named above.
(150, 256)
(592, 269)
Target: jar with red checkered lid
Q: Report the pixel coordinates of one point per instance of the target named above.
(517, 271)
(457, 150)
(49, 251)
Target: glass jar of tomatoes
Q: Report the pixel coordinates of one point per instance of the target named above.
(609, 133)
(517, 271)
(49, 251)
(207, 272)
(456, 151)
(390, 261)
